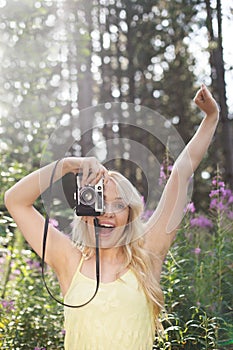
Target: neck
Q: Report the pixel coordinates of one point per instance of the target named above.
(111, 255)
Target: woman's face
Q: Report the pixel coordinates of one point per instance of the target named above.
(113, 222)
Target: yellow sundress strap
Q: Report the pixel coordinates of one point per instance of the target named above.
(80, 263)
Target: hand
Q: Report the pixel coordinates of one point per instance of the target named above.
(92, 170)
(205, 101)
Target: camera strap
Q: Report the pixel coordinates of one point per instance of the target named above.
(46, 225)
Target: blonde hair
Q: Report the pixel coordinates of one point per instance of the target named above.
(136, 257)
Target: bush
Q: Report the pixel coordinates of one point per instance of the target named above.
(197, 278)
(30, 319)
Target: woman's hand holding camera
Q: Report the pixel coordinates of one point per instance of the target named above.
(90, 168)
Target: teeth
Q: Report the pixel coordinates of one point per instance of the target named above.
(107, 225)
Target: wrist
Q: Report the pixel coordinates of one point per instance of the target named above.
(71, 165)
(214, 116)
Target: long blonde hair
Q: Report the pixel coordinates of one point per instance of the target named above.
(136, 257)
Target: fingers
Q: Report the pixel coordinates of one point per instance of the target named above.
(202, 95)
(102, 173)
(205, 101)
(92, 171)
(89, 167)
(85, 172)
(205, 92)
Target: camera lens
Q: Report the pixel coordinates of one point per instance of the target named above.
(87, 196)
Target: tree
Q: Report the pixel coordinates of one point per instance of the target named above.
(67, 56)
(225, 137)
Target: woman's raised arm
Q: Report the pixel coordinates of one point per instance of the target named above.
(20, 198)
(162, 226)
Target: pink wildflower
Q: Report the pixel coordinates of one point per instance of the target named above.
(230, 199)
(8, 305)
(213, 193)
(197, 250)
(201, 221)
(190, 208)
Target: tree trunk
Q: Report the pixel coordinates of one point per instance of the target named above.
(85, 94)
(218, 77)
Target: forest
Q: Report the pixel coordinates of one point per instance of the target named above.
(115, 79)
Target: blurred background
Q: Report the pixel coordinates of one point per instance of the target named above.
(58, 57)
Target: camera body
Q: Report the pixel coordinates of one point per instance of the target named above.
(89, 199)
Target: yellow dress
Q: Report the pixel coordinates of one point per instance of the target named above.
(118, 318)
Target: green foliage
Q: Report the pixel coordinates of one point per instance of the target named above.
(197, 277)
(29, 318)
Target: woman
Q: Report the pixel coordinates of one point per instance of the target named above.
(125, 312)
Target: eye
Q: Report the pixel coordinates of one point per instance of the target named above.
(120, 206)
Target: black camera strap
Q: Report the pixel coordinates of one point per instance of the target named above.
(46, 225)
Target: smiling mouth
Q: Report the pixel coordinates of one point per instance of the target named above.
(106, 229)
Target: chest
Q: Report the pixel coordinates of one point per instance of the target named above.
(119, 317)
(108, 272)
(122, 296)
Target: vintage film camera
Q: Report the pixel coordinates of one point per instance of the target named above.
(89, 199)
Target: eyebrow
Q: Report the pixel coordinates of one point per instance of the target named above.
(116, 198)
